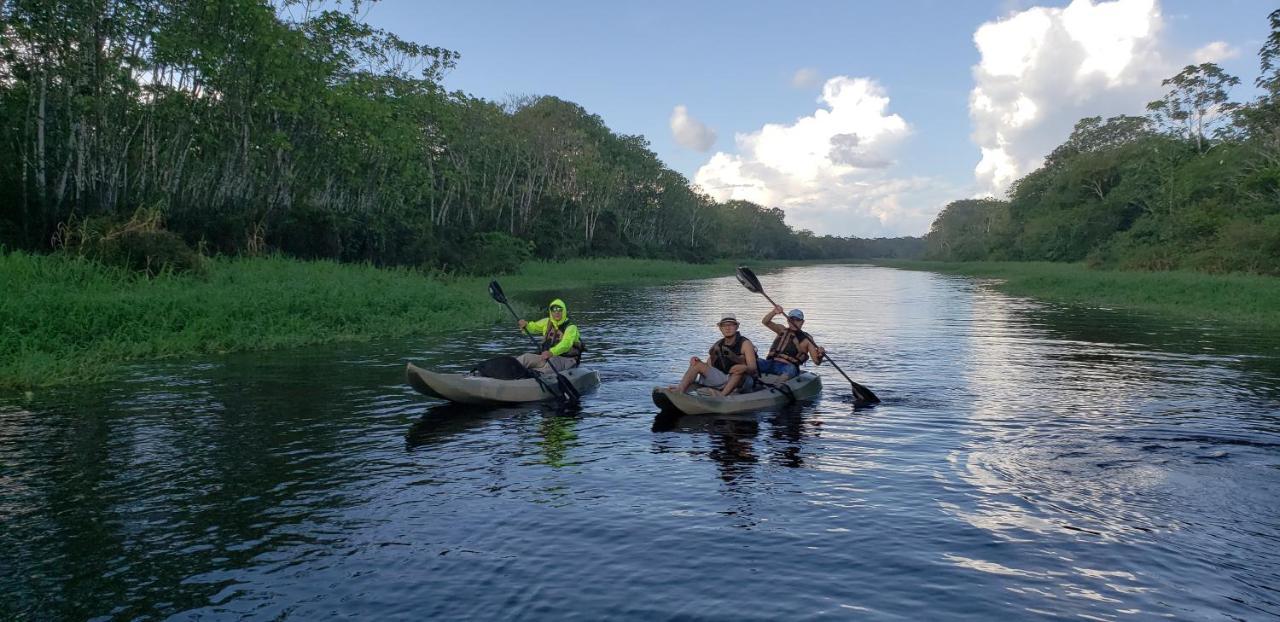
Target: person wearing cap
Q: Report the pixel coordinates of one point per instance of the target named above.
(561, 345)
(731, 363)
(791, 348)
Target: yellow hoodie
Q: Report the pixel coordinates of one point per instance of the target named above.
(569, 332)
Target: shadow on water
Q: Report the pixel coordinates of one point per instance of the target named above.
(440, 423)
(733, 436)
(446, 420)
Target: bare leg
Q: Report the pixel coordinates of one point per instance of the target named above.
(734, 381)
(696, 366)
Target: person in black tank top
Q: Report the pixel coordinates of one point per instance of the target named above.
(791, 348)
(731, 362)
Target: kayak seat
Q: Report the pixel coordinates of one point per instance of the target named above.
(502, 368)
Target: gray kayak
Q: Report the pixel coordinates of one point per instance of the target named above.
(472, 389)
(704, 401)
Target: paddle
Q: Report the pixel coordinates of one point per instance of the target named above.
(568, 394)
(861, 394)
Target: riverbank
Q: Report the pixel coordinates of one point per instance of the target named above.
(66, 319)
(1241, 299)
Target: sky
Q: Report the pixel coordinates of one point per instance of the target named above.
(856, 118)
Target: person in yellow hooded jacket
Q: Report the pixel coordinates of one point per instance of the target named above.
(561, 345)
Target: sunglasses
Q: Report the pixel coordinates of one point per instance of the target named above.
(554, 309)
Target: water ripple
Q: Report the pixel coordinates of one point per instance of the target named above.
(1029, 459)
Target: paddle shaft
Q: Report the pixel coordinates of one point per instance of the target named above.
(859, 391)
(526, 333)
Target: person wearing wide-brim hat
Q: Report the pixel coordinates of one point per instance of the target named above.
(791, 348)
(731, 363)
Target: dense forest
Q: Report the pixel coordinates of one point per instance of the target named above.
(243, 127)
(1192, 184)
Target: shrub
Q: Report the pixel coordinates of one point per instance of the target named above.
(139, 245)
(148, 252)
(1245, 246)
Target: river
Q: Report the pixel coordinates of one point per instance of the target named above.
(1029, 460)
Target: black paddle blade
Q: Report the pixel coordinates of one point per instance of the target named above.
(495, 291)
(863, 394)
(749, 280)
(570, 392)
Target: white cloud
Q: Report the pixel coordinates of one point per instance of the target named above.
(827, 170)
(690, 132)
(1043, 69)
(1215, 52)
(805, 77)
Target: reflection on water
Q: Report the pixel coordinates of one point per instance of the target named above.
(1028, 460)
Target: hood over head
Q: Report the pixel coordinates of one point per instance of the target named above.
(564, 318)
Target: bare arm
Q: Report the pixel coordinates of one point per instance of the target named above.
(749, 352)
(768, 320)
(816, 353)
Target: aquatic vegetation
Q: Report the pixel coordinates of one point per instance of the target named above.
(68, 318)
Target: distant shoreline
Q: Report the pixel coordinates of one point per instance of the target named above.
(1237, 299)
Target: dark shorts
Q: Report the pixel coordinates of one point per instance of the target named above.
(778, 368)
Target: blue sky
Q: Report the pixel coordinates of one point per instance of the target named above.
(904, 72)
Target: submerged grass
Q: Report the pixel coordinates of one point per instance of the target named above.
(1241, 299)
(65, 319)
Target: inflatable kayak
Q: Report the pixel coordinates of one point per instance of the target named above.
(704, 401)
(475, 389)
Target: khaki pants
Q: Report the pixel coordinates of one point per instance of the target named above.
(535, 362)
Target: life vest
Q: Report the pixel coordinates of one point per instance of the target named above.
(554, 334)
(726, 356)
(786, 347)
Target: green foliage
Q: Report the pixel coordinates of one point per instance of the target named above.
(140, 245)
(492, 253)
(1200, 194)
(1197, 105)
(148, 252)
(967, 230)
(1244, 246)
(71, 319)
(1092, 135)
(311, 133)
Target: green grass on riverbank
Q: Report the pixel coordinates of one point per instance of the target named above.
(66, 319)
(1233, 298)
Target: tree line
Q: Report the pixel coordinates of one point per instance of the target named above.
(1192, 184)
(245, 127)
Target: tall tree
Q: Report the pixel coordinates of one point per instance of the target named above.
(1197, 105)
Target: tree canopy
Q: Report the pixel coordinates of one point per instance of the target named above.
(1194, 185)
(245, 126)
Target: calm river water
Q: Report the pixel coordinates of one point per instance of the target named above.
(1029, 461)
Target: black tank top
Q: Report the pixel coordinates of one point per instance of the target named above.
(728, 355)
